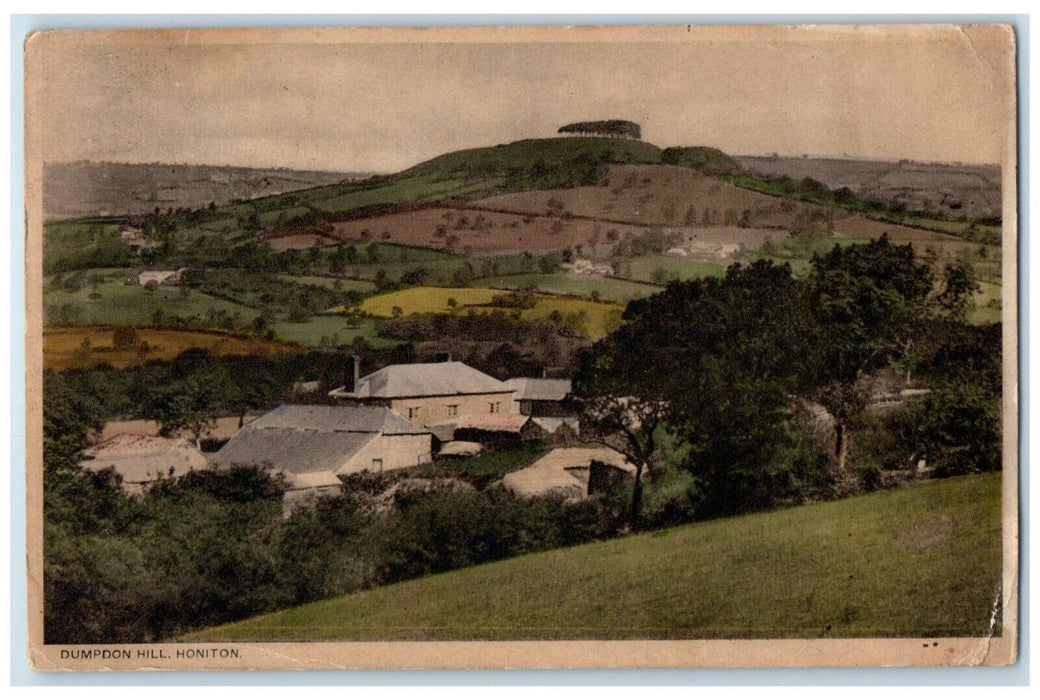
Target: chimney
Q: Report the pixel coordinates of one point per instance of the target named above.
(350, 379)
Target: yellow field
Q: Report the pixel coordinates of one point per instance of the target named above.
(427, 300)
(591, 319)
(71, 348)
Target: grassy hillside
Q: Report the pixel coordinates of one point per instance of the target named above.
(703, 158)
(536, 163)
(923, 561)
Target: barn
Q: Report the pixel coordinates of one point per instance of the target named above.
(313, 446)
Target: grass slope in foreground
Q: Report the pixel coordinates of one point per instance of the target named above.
(921, 561)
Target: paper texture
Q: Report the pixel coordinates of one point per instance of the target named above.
(334, 106)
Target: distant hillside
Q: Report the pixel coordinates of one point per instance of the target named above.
(921, 560)
(86, 188)
(952, 190)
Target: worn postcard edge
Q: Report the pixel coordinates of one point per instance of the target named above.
(804, 653)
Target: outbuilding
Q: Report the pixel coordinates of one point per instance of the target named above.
(143, 459)
(313, 446)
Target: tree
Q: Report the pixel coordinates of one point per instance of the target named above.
(958, 285)
(549, 263)
(612, 128)
(713, 362)
(70, 411)
(188, 399)
(868, 301)
(125, 338)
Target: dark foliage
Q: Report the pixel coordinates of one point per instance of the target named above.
(707, 160)
(212, 547)
(607, 127)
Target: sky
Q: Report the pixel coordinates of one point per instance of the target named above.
(382, 100)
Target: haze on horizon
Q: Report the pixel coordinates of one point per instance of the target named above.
(380, 102)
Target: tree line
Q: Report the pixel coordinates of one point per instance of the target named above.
(718, 369)
(612, 128)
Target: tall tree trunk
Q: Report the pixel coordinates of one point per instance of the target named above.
(841, 445)
(637, 497)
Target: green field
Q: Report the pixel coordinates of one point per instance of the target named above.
(346, 284)
(103, 299)
(922, 561)
(405, 190)
(116, 303)
(333, 330)
(608, 288)
(666, 268)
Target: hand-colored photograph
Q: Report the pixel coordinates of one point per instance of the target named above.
(537, 347)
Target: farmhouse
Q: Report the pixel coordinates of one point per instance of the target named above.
(161, 277)
(312, 446)
(574, 473)
(143, 459)
(581, 266)
(430, 394)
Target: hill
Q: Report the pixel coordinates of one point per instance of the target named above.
(539, 163)
(86, 188)
(923, 560)
(944, 189)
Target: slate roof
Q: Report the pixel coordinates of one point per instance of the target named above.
(531, 389)
(494, 422)
(141, 459)
(424, 379)
(311, 443)
(292, 450)
(354, 419)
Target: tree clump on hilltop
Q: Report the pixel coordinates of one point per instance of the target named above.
(611, 127)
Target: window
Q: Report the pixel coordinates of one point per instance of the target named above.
(377, 465)
(453, 409)
(496, 407)
(413, 412)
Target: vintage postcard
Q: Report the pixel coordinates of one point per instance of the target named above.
(522, 347)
